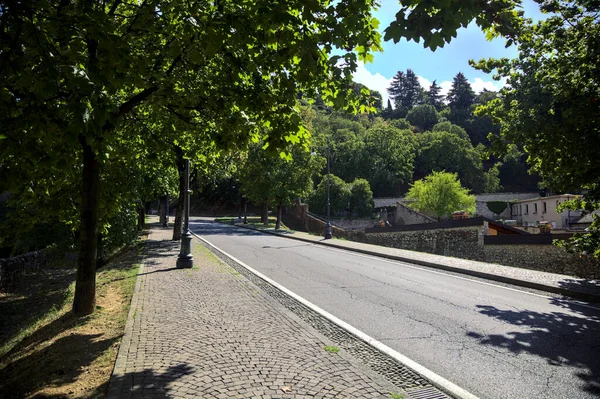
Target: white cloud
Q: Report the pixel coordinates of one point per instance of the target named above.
(372, 81)
(380, 83)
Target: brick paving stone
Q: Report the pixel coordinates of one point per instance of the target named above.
(208, 332)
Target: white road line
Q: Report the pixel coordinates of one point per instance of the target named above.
(432, 377)
(448, 273)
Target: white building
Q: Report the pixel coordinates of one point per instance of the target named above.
(532, 211)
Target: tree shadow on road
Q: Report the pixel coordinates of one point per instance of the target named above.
(590, 289)
(563, 339)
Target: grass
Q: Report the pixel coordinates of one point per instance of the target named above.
(396, 395)
(45, 350)
(332, 349)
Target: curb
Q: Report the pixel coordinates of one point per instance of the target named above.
(116, 378)
(585, 296)
(436, 380)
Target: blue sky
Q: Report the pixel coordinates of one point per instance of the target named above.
(441, 65)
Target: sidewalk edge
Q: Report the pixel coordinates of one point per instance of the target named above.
(116, 378)
(435, 379)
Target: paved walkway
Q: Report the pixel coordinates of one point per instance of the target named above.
(557, 283)
(209, 333)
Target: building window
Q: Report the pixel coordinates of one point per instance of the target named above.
(534, 208)
(545, 209)
(520, 209)
(526, 209)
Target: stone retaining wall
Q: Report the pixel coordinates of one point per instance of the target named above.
(546, 258)
(465, 243)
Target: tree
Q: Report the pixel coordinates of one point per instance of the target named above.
(339, 194)
(434, 97)
(440, 194)
(444, 151)
(451, 128)
(361, 198)
(268, 178)
(73, 72)
(405, 90)
(460, 99)
(492, 179)
(550, 102)
(387, 159)
(423, 116)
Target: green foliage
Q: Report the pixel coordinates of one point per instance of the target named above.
(492, 179)
(387, 158)
(340, 194)
(583, 243)
(121, 229)
(443, 151)
(438, 21)
(440, 194)
(434, 96)
(401, 124)
(271, 178)
(449, 127)
(423, 116)
(550, 102)
(406, 91)
(460, 99)
(361, 198)
(497, 207)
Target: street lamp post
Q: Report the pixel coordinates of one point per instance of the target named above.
(186, 259)
(328, 234)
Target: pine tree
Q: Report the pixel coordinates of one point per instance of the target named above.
(434, 97)
(460, 99)
(461, 96)
(397, 87)
(406, 91)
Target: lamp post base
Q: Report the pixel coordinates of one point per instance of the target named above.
(185, 262)
(328, 234)
(185, 259)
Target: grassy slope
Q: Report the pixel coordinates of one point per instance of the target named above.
(46, 351)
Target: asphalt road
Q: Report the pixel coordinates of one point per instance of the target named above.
(493, 341)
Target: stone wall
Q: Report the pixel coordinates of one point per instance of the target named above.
(466, 243)
(406, 215)
(481, 209)
(481, 201)
(11, 269)
(546, 258)
(354, 224)
(461, 243)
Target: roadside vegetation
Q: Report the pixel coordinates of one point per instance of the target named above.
(45, 349)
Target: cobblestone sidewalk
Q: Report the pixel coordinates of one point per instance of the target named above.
(208, 332)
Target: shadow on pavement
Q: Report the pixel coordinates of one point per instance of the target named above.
(563, 339)
(202, 227)
(289, 246)
(148, 383)
(587, 286)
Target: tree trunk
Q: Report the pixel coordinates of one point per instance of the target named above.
(265, 213)
(278, 223)
(141, 218)
(178, 223)
(84, 301)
